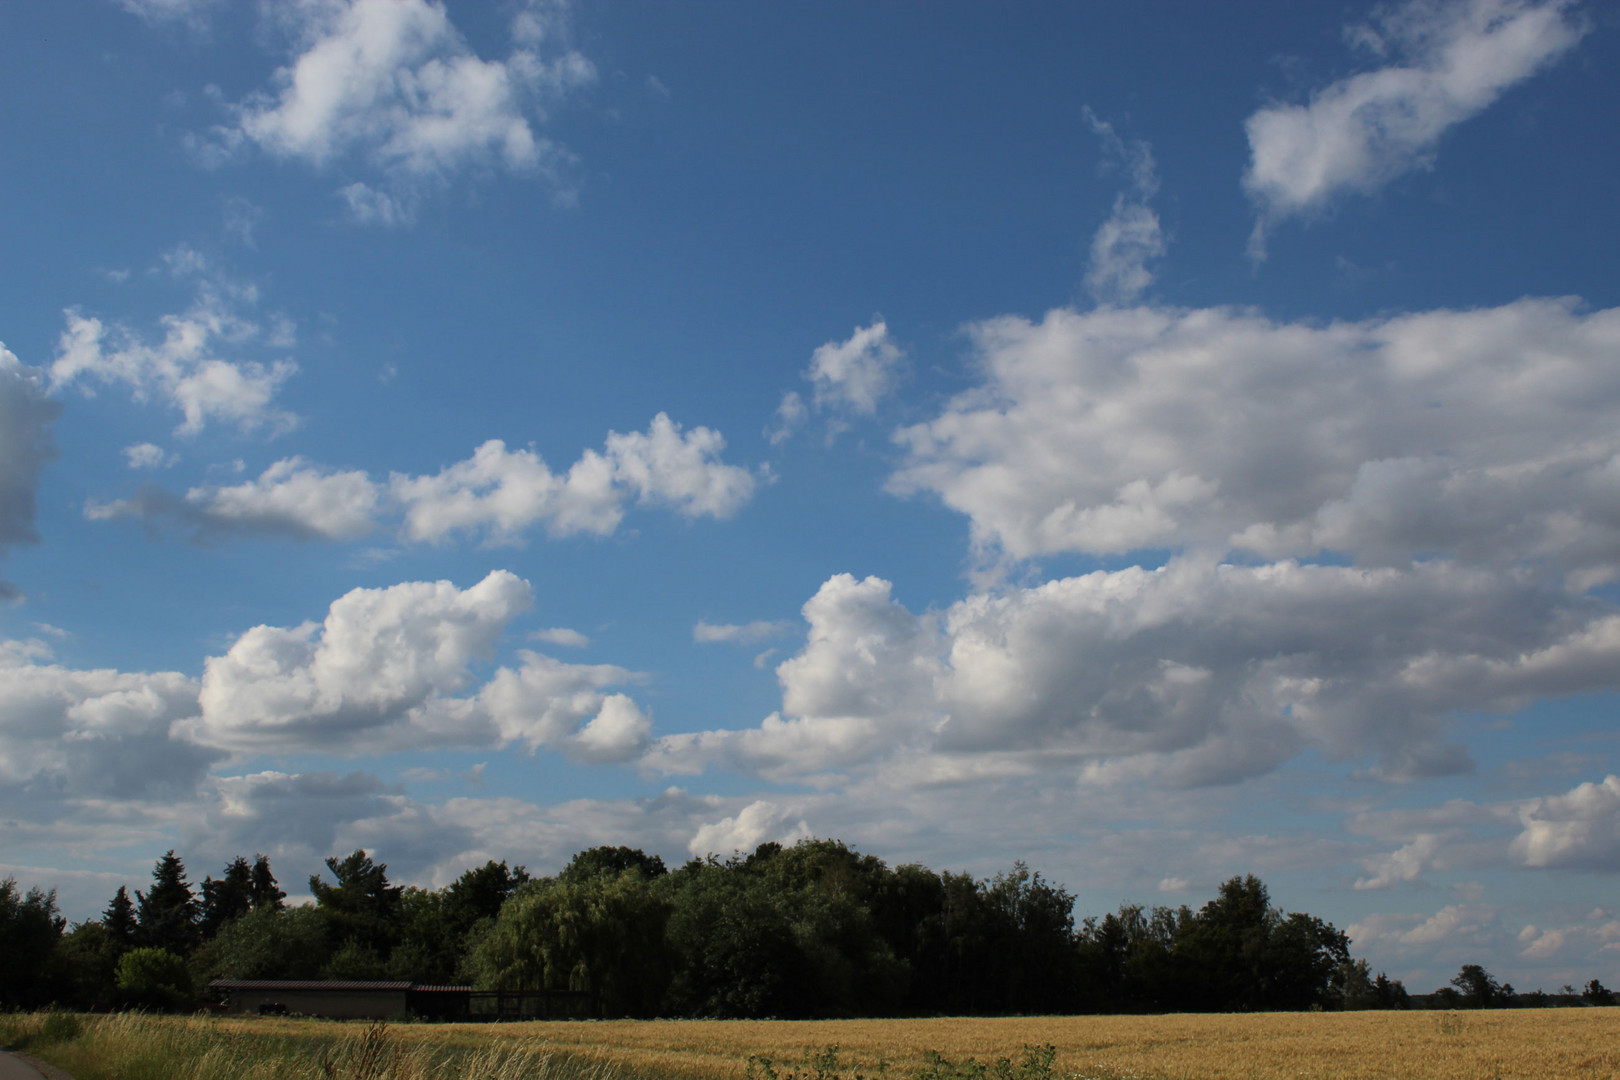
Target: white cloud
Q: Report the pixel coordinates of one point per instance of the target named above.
(388, 669)
(756, 823)
(618, 732)
(1131, 238)
(1197, 673)
(855, 374)
(1487, 435)
(368, 206)
(92, 734)
(790, 416)
(1404, 865)
(738, 634)
(497, 492)
(381, 668)
(26, 416)
(1454, 927)
(861, 683)
(190, 11)
(291, 498)
(1580, 829)
(188, 368)
(148, 456)
(393, 84)
(664, 467)
(292, 495)
(561, 635)
(545, 702)
(502, 492)
(1452, 60)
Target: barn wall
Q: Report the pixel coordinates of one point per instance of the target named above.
(335, 1004)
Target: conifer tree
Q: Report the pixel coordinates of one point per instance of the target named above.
(262, 888)
(167, 913)
(119, 919)
(227, 898)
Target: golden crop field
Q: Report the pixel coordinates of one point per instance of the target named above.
(1539, 1044)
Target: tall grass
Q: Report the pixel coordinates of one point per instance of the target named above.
(135, 1046)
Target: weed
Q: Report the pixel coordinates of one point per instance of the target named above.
(1035, 1063)
(820, 1064)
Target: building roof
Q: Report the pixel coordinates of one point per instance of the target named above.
(326, 984)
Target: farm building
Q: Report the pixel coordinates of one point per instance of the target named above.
(340, 1000)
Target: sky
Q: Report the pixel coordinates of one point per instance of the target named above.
(1157, 442)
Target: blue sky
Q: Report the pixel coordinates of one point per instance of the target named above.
(1159, 442)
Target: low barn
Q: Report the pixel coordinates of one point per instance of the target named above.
(340, 1000)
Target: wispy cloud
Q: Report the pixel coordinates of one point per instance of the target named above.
(1449, 62)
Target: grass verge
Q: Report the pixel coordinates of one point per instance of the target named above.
(136, 1046)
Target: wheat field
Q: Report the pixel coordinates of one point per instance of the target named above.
(1540, 1044)
(1543, 1044)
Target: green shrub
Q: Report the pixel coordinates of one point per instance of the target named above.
(154, 979)
(59, 1027)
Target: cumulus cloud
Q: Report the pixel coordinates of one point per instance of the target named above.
(1447, 62)
(860, 684)
(197, 366)
(857, 373)
(1131, 238)
(98, 734)
(1579, 829)
(738, 634)
(384, 662)
(390, 669)
(848, 378)
(501, 492)
(497, 493)
(1485, 435)
(291, 498)
(1196, 673)
(26, 446)
(393, 86)
(1454, 927)
(756, 823)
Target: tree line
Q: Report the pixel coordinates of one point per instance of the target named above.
(812, 930)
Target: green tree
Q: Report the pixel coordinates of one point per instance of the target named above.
(84, 967)
(267, 943)
(1390, 993)
(263, 892)
(361, 905)
(30, 928)
(1596, 993)
(604, 935)
(166, 914)
(736, 953)
(119, 919)
(612, 861)
(228, 898)
(436, 926)
(154, 979)
(1479, 988)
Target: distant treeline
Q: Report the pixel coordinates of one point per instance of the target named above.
(812, 930)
